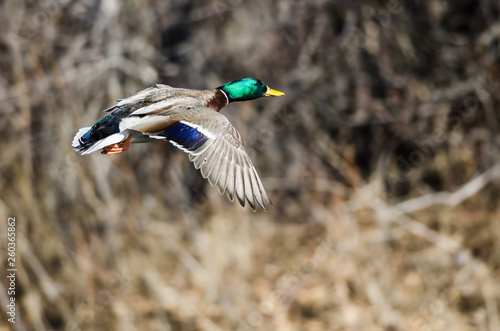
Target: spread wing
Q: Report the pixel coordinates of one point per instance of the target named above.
(213, 145)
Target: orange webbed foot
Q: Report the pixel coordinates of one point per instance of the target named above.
(117, 148)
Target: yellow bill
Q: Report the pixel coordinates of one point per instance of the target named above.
(273, 93)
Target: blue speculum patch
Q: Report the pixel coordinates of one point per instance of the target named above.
(185, 135)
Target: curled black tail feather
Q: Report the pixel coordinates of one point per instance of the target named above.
(106, 127)
(84, 142)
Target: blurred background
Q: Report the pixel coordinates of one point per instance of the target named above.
(382, 162)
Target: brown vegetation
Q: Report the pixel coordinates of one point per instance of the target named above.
(382, 161)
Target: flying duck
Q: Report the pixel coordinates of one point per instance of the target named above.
(190, 120)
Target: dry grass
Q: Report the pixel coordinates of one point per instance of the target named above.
(382, 162)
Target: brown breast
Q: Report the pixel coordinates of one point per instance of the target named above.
(216, 101)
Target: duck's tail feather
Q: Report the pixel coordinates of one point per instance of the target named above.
(84, 145)
(81, 143)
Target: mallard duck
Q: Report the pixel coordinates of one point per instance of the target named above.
(191, 121)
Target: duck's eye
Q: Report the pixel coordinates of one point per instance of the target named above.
(258, 83)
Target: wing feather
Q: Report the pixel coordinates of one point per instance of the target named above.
(214, 147)
(249, 192)
(231, 178)
(256, 189)
(240, 183)
(222, 177)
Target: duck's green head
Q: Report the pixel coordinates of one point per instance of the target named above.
(248, 89)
